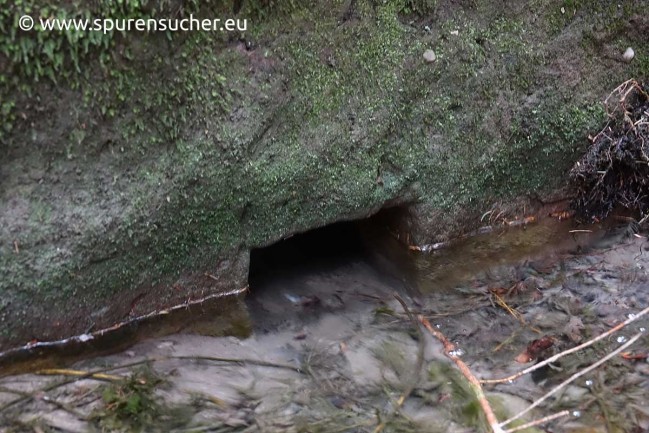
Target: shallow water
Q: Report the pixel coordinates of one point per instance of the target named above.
(463, 259)
(345, 351)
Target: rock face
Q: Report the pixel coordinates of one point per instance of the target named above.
(147, 173)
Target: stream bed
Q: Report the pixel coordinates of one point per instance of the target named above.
(332, 349)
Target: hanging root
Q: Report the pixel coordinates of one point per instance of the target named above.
(615, 170)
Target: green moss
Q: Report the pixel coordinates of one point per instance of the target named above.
(541, 146)
(130, 81)
(368, 68)
(55, 56)
(640, 66)
(560, 14)
(225, 149)
(420, 7)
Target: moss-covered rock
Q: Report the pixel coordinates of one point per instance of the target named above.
(139, 172)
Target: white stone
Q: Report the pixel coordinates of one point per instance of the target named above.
(629, 54)
(429, 56)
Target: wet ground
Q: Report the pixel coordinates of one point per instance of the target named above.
(333, 351)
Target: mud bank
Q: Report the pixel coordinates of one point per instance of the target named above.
(332, 351)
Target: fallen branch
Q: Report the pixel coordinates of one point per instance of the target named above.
(499, 427)
(99, 374)
(29, 397)
(79, 373)
(573, 378)
(569, 351)
(240, 361)
(539, 421)
(452, 353)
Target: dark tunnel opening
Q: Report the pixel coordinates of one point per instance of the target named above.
(296, 279)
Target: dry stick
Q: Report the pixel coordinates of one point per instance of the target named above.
(449, 349)
(96, 374)
(113, 378)
(99, 374)
(569, 351)
(28, 396)
(5, 390)
(518, 316)
(78, 373)
(66, 408)
(89, 375)
(573, 378)
(241, 361)
(644, 220)
(60, 405)
(539, 421)
(508, 340)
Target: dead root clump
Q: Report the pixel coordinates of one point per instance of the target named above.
(615, 170)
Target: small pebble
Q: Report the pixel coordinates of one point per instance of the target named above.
(429, 56)
(628, 55)
(165, 345)
(339, 402)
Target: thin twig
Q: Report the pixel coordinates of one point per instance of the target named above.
(573, 378)
(518, 316)
(450, 350)
(53, 386)
(569, 351)
(242, 361)
(5, 390)
(78, 373)
(508, 340)
(46, 399)
(65, 407)
(538, 421)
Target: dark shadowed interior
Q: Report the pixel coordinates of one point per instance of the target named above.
(317, 270)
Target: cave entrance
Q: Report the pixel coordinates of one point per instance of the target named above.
(328, 269)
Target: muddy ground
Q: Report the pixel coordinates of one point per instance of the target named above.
(333, 351)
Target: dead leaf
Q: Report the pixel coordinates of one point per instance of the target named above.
(635, 356)
(535, 349)
(523, 358)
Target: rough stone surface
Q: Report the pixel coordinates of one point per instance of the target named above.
(131, 188)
